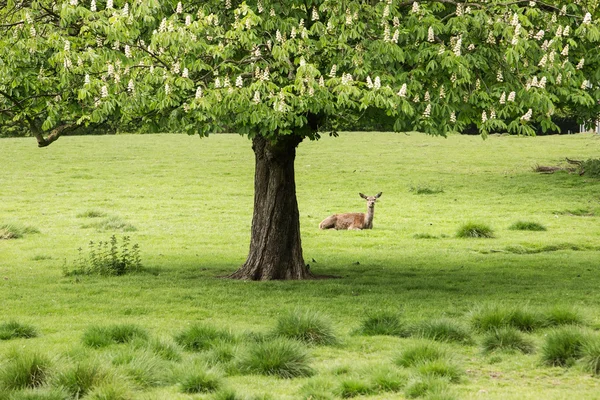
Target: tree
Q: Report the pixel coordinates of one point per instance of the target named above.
(281, 72)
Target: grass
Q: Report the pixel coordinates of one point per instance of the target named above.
(507, 339)
(417, 354)
(14, 329)
(443, 330)
(191, 202)
(306, 326)
(493, 317)
(383, 323)
(280, 357)
(202, 337)
(527, 226)
(15, 230)
(80, 378)
(563, 347)
(475, 230)
(102, 336)
(25, 369)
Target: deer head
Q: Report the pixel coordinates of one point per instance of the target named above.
(371, 199)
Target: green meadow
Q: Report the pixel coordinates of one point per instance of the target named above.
(413, 310)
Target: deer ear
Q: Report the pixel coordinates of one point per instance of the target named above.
(362, 195)
(378, 195)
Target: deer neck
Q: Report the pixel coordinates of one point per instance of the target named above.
(369, 217)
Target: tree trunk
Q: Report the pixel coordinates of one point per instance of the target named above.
(275, 247)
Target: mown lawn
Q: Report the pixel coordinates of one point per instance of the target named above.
(187, 202)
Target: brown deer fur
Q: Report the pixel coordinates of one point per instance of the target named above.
(353, 220)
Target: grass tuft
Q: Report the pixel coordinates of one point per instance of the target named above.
(386, 379)
(80, 378)
(202, 337)
(165, 349)
(420, 353)
(102, 336)
(111, 391)
(425, 386)
(92, 214)
(15, 231)
(308, 327)
(383, 323)
(559, 315)
(493, 317)
(590, 356)
(426, 190)
(113, 223)
(475, 230)
(14, 330)
(441, 368)
(507, 339)
(25, 370)
(142, 367)
(527, 226)
(38, 394)
(281, 357)
(199, 379)
(353, 387)
(563, 347)
(444, 330)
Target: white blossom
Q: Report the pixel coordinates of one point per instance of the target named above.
(453, 117)
(442, 92)
(110, 69)
(416, 99)
(580, 64)
(565, 50)
(477, 84)
(457, 46)
(377, 83)
(217, 83)
(515, 19)
(86, 80)
(167, 89)
(226, 82)
(427, 112)
(540, 34)
(185, 73)
(109, 4)
(430, 35)
(73, 2)
(499, 76)
(163, 25)
(558, 79)
(459, 10)
(127, 51)
(315, 14)
(67, 47)
(511, 96)
(386, 33)
(321, 81)
(415, 7)
(198, 92)
(272, 12)
(179, 8)
(563, 10)
(347, 79)
(239, 82)
(369, 82)
(93, 6)
(278, 36)
(543, 61)
(587, 19)
(227, 4)
(396, 36)
(566, 30)
(130, 86)
(259, 7)
(491, 39)
(188, 20)
(534, 81)
(266, 74)
(402, 91)
(256, 98)
(542, 83)
(348, 17)
(493, 114)
(125, 10)
(28, 18)
(471, 47)
(503, 98)
(333, 71)
(104, 91)
(484, 117)
(176, 68)
(559, 31)
(585, 84)
(427, 96)
(552, 56)
(527, 115)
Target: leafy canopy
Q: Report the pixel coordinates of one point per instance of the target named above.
(299, 67)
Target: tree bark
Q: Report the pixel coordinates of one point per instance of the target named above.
(275, 246)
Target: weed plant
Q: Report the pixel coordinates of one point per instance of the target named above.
(444, 330)
(420, 353)
(591, 355)
(108, 258)
(475, 230)
(306, 326)
(14, 330)
(383, 323)
(507, 339)
(202, 337)
(563, 347)
(15, 230)
(527, 226)
(25, 369)
(280, 357)
(102, 336)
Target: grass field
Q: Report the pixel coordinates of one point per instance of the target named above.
(187, 202)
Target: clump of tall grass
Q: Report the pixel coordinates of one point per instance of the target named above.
(202, 337)
(420, 353)
(198, 378)
(115, 390)
(318, 389)
(91, 214)
(143, 367)
(385, 379)
(444, 330)
(15, 230)
(383, 323)
(108, 258)
(102, 336)
(559, 315)
(280, 357)
(590, 355)
(113, 223)
(14, 330)
(441, 368)
(527, 226)
(80, 378)
(563, 347)
(165, 349)
(507, 339)
(475, 230)
(25, 369)
(353, 387)
(425, 386)
(493, 317)
(45, 393)
(420, 189)
(308, 327)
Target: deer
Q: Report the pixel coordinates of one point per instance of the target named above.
(353, 221)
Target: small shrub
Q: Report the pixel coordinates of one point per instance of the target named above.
(102, 336)
(383, 323)
(527, 226)
(91, 214)
(563, 347)
(108, 258)
(280, 357)
(80, 378)
(507, 339)
(562, 316)
(441, 368)
(308, 327)
(25, 370)
(13, 330)
(591, 167)
(198, 379)
(202, 337)
(15, 231)
(475, 230)
(444, 330)
(591, 356)
(420, 353)
(354, 387)
(424, 386)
